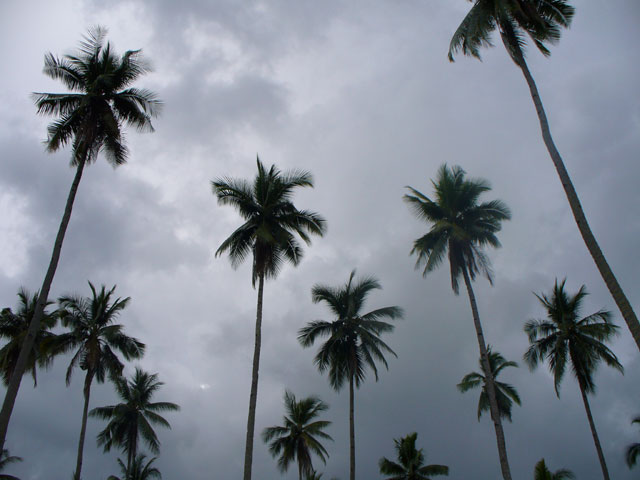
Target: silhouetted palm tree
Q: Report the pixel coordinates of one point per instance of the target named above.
(563, 337)
(354, 339)
(91, 117)
(268, 235)
(411, 466)
(460, 228)
(138, 470)
(541, 21)
(7, 459)
(633, 450)
(541, 472)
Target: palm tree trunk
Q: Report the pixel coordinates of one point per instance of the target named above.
(83, 429)
(491, 391)
(253, 396)
(34, 326)
(352, 433)
(596, 440)
(576, 208)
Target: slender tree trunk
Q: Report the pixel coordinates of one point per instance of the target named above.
(491, 391)
(299, 470)
(352, 433)
(83, 428)
(34, 326)
(253, 396)
(576, 208)
(596, 440)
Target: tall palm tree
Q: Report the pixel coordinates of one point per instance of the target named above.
(354, 340)
(94, 336)
(92, 118)
(540, 20)
(633, 450)
(563, 337)
(138, 470)
(541, 472)
(14, 327)
(268, 234)
(7, 459)
(296, 439)
(506, 394)
(411, 466)
(133, 418)
(460, 228)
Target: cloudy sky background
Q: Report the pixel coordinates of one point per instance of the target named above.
(362, 95)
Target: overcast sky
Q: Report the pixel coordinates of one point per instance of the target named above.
(362, 95)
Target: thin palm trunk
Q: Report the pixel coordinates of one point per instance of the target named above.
(83, 428)
(133, 450)
(34, 326)
(596, 440)
(253, 396)
(352, 432)
(576, 208)
(493, 403)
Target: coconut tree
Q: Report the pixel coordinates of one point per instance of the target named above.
(541, 472)
(299, 436)
(506, 394)
(411, 462)
(269, 235)
(541, 21)
(7, 459)
(138, 469)
(633, 450)
(563, 337)
(94, 337)
(354, 342)
(135, 416)
(14, 327)
(91, 117)
(460, 228)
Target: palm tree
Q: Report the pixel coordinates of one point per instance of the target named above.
(269, 236)
(138, 470)
(633, 450)
(94, 336)
(541, 472)
(505, 393)
(7, 459)
(14, 326)
(92, 119)
(133, 418)
(461, 227)
(296, 439)
(354, 340)
(542, 21)
(411, 466)
(565, 337)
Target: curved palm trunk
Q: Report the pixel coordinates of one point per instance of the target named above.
(596, 440)
(253, 396)
(34, 326)
(491, 391)
(352, 433)
(576, 208)
(83, 429)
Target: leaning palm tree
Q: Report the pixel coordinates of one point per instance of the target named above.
(411, 466)
(299, 437)
(268, 234)
(460, 228)
(14, 327)
(354, 340)
(563, 337)
(506, 394)
(138, 470)
(633, 450)
(7, 459)
(133, 418)
(91, 118)
(541, 472)
(94, 336)
(540, 20)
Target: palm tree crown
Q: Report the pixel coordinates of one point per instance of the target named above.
(541, 472)
(298, 437)
(138, 470)
(7, 459)
(633, 450)
(411, 466)
(506, 394)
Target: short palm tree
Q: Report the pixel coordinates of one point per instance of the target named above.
(94, 337)
(135, 416)
(268, 235)
(541, 472)
(460, 228)
(354, 339)
(138, 469)
(299, 437)
(563, 337)
(541, 21)
(506, 394)
(411, 462)
(14, 327)
(7, 459)
(633, 450)
(91, 118)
